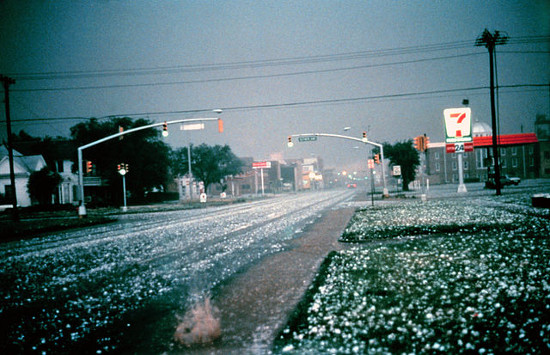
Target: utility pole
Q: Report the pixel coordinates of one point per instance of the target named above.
(6, 82)
(489, 41)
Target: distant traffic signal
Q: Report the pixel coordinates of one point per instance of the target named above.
(220, 125)
(165, 129)
(417, 144)
(421, 143)
(290, 144)
(377, 158)
(89, 166)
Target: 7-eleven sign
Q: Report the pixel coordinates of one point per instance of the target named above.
(458, 125)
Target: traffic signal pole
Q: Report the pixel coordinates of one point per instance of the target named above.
(82, 207)
(363, 140)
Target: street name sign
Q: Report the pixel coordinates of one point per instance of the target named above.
(192, 127)
(458, 125)
(307, 139)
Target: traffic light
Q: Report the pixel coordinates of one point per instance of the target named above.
(426, 142)
(165, 129)
(89, 166)
(417, 143)
(220, 125)
(377, 158)
(290, 144)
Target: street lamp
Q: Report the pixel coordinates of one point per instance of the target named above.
(220, 129)
(122, 170)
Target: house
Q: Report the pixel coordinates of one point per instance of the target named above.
(59, 156)
(23, 166)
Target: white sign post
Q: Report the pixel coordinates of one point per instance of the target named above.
(458, 131)
(262, 165)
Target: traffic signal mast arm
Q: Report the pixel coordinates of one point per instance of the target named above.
(80, 149)
(363, 140)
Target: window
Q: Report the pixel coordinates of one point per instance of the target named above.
(455, 165)
(437, 166)
(514, 162)
(466, 165)
(530, 150)
(481, 155)
(503, 163)
(514, 150)
(436, 155)
(546, 155)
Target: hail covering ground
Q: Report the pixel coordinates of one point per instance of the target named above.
(417, 286)
(88, 289)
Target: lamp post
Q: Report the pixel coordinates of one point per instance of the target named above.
(122, 170)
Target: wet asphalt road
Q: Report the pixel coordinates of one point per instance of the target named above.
(119, 287)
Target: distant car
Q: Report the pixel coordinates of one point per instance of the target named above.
(504, 181)
(352, 186)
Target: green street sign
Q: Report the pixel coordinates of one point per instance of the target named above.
(307, 139)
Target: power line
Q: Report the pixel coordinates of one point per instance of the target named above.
(294, 104)
(266, 63)
(246, 64)
(249, 77)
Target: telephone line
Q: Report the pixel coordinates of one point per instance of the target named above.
(267, 62)
(267, 76)
(292, 104)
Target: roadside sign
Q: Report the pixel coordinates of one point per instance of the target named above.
(307, 139)
(396, 170)
(371, 163)
(458, 125)
(261, 165)
(459, 147)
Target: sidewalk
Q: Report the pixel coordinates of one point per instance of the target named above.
(255, 305)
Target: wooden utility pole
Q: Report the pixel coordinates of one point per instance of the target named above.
(490, 40)
(6, 82)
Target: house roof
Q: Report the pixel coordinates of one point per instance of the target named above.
(4, 152)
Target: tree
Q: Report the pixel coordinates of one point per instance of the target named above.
(209, 164)
(405, 155)
(42, 185)
(145, 153)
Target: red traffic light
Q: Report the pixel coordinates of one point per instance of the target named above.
(377, 158)
(89, 166)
